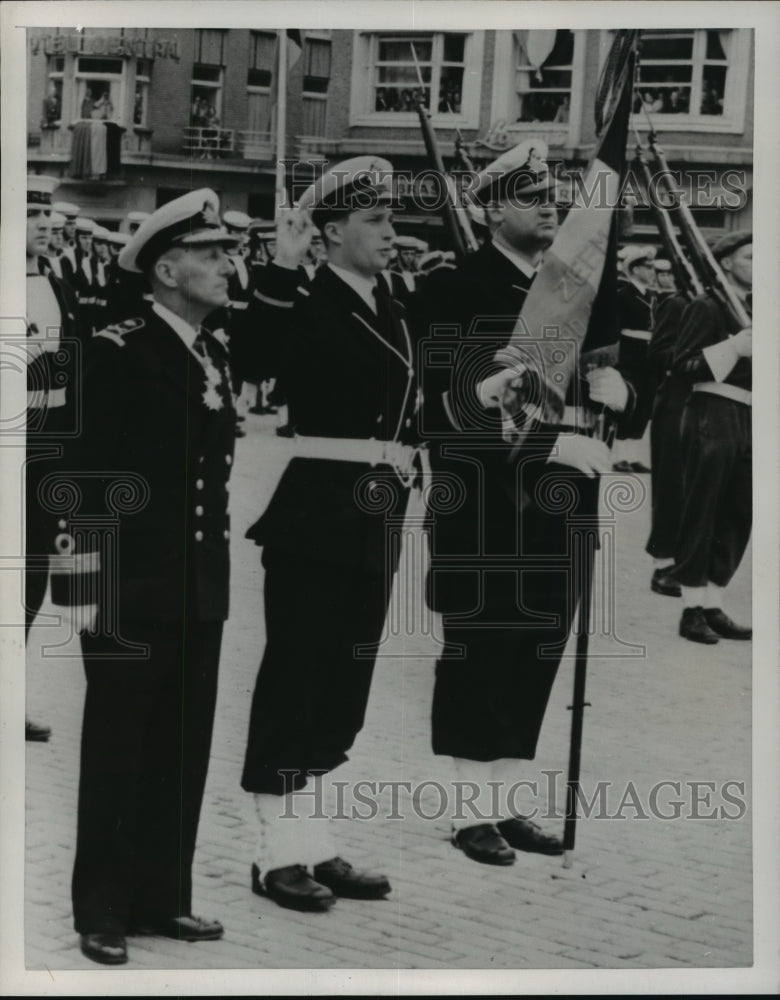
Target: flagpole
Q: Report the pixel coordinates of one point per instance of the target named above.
(281, 120)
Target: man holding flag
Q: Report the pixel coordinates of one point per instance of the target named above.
(503, 568)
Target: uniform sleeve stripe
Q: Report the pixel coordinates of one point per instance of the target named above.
(273, 302)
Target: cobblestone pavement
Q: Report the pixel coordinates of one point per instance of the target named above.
(643, 892)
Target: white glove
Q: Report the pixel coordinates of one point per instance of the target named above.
(83, 617)
(742, 342)
(294, 232)
(491, 392)
(588, 455)
(607, 386)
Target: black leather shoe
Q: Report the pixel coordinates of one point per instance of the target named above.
(662, 583)
(293, 888)
(33, 733)
(720, 623)
(622, 467)
(524, 835)
(187, 928)
(485, 844)
(639, 467)
(693, 626)
(109, 949)
(342, 879)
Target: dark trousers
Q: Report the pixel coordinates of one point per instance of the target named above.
(145, 747)
(717, 507)
(666, 476)
(491, 704)
(311, 692)
(40, 524)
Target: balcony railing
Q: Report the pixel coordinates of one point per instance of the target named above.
(208, 142)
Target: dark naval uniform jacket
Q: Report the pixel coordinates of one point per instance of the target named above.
(153, 422)
(346, 374)
(636, 315)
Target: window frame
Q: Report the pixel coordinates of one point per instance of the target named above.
(318, 95)
(504, 103)
(216, 86)
(732, 121)
(145, 80)
(364, 61)
(57, 76)
(80, 81)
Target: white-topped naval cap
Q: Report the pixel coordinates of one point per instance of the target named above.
(236, 220)
(360, 182)
(189, 221)
(519, 172)
(66, 208)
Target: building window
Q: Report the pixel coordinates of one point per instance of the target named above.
(206, 96)
(316, 79)
(544, 75)
(210, 46)
(695, 77)
(52, 103)
(259, 80)
(444, 67)
(99, 85)
(682, 72)
(143, 74)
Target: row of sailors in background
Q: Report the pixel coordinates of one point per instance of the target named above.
(84, 254)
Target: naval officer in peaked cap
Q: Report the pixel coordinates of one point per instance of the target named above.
(347, 367)
(155, 455)
(501, 567)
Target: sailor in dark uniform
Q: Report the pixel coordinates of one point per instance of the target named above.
(239, 289)
(346, 360)
(501, 558)
(403, 274)
(84, 270)
(635, 309)
(101, 276)
(666, 465)
(71, 213)
(54, 343)
(153, 462)
(715, 360)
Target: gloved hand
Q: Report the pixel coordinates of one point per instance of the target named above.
(742, 342)
(588, 455)
(607, 386)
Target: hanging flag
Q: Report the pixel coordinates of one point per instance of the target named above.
(555, 318)
(294, 46)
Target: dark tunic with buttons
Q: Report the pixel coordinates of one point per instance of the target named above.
(635, 311)
(150, 474)
(330, 532)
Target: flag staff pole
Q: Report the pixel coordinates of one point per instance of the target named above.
(281, 120)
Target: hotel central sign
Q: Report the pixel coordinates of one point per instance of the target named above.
(106, 45)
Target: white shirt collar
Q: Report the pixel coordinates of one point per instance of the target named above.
(363, 286)
(520, 263)
(180, 326)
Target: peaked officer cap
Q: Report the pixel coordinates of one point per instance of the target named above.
(189, 221)
(39, 190)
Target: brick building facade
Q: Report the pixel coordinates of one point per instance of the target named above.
(196, 107)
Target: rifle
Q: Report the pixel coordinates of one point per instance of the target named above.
(709, 270)
(687, 279)
(455, 218)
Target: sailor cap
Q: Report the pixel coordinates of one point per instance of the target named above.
(189, 221)
(727, 244)
(84, 225)
(56, 221)
(635, 254)
(66, 208)
(39, 191)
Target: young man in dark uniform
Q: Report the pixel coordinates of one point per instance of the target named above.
(153, 461)
(501, 555)
(54, 343)
(715, 361)
(346, 361)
